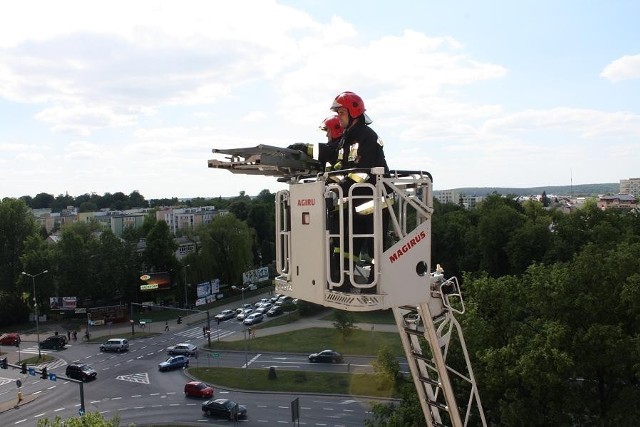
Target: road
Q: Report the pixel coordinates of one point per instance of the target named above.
(130, 385)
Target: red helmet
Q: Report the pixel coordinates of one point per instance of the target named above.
(332, 124)
(352, 102)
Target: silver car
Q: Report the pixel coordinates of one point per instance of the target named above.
(115, 344)
(185, 349)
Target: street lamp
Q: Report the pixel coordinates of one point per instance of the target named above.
(246, 360)
(35, 304)
(185, 285)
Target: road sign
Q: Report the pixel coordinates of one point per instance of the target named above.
(53, 377)
(31, 371)
(145, 320)
(214, 355)
(18, 383)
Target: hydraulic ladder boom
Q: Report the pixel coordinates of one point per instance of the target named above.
(318, 220)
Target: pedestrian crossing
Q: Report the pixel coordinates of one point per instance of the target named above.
(194, 333)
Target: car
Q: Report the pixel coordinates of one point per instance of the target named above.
(253, 318)
(54, 342)
(261, 302)
(243, 315)
(283, 299)
(275, 298)
(81, 371)
(198, 389)
(174, 362)
(11, 338)
(115, 344)
(261, 310)
(243, 308)
(326, 356)
(183, 348)
(274, 311)
(224, 408)
(225, 315)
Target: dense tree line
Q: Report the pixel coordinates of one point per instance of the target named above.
(92, 264)
(553, 306)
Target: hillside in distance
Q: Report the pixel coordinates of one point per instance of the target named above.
(582, 190)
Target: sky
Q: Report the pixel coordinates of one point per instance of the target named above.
(122, 96)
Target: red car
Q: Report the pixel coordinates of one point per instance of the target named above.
(10, 339)
(198, 389)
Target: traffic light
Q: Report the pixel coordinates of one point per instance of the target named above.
(44, 375)
(3, 363)
(24, 368)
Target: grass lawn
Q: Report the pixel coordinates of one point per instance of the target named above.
(293, 381)
(310, 340)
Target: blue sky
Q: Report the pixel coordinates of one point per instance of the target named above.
(100, 97)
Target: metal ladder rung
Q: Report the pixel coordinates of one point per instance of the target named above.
(415, 332)
(437, 405)
(434, 383)
(422, 357)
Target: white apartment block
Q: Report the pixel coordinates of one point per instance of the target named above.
(630, 186)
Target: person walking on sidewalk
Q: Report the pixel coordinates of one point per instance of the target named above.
(166, 326)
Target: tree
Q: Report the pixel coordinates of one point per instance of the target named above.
(344, 321)
(16, 226)
(226, 249)
(159, 252)
(387, 370)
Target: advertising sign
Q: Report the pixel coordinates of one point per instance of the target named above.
(155, 281)
(257, 275)
(63, 303)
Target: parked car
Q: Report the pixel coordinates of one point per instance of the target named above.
(274, 311)
(326, 356)
(54, 342)
(243, 308)
(198, 389)
(261, 310)
(115, 344)
(80, 371)
(224, 408)
(243, 315)
(275, 298)
(261, 302)
(225, 315)
(253, 318)
(183, 348)
(174, 362)
(11, 338)
(283, 299)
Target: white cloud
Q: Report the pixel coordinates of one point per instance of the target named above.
(625, 68)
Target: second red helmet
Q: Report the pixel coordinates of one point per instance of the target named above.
(352, 102)
(332, 124)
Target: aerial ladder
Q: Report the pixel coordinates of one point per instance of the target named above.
(317, 234)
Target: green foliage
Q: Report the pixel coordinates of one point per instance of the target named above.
(406, 413)
(226, 249)
(159, 252)
(344, 322)
(90, 419)
(387, 369)
(16, 225)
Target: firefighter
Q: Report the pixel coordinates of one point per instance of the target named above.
(328, 152)
(360, 147)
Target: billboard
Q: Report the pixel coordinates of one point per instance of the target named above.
(63, 303)
(257, 275)
(207, 288)
(155, 281)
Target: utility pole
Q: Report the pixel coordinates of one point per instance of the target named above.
(35, 305)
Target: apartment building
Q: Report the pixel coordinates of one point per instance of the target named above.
(630, 186)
